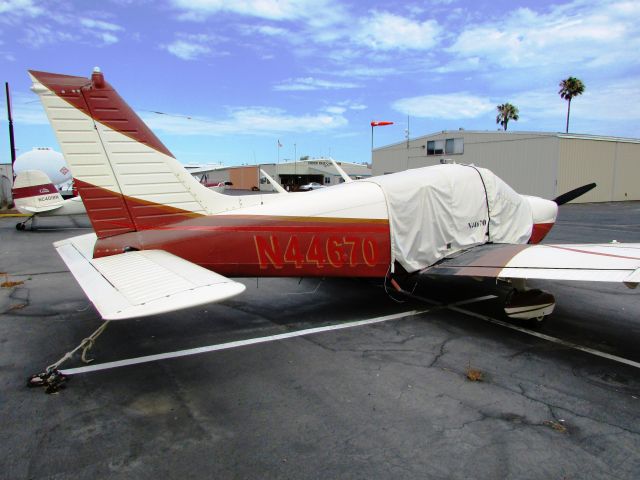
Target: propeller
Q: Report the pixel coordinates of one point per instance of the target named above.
(573, 194)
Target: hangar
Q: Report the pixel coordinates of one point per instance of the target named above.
(533, 163)
(288, 173)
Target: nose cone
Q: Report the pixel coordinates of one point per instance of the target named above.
(542, 210)
(543, 213)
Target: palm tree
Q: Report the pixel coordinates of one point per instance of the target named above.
(569, 88)
(506, 112)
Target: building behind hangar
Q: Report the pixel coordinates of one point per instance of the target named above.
(289, 174)
(533, 163)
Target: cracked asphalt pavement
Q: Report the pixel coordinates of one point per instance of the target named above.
(390, 400)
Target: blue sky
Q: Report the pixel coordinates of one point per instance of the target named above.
(233, 77)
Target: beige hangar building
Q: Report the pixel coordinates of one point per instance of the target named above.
(533, 163)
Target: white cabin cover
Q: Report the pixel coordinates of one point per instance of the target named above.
(439, 210)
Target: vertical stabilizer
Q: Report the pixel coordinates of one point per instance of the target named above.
(127, 178)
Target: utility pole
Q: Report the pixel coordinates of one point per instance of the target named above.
(11, 140)
(407, 133)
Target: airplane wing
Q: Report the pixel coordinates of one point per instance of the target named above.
(342, 173)
(275, 184)
(140, 283)
(610, 262)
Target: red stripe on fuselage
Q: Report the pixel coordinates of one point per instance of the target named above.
(34, 191)
(267, 246)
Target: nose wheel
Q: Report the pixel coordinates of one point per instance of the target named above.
(20, 226)
(532, 305)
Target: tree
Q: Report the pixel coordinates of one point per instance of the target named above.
(569, 88)
(506, 112)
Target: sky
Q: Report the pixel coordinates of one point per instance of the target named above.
(225, 81)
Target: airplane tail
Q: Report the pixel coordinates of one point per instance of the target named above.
(33, 192)
(128, 180)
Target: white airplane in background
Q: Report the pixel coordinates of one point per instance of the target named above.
(50, 162)
(34, 194)
(164, 242)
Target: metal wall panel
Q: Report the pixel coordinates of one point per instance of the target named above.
(526, 161)
(244, 178)
(626, 184)
(584, 161)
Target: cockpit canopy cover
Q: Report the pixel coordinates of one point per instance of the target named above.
(437, 211)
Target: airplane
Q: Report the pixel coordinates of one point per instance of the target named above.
(34, 194)
(164, 242)
(51, 163)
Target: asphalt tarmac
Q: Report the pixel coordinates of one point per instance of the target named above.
(378, 401)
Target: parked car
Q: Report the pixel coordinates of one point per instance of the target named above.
(310, 186)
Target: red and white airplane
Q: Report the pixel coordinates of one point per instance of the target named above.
(34, 194)
(164, 242)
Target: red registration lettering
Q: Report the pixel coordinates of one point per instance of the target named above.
(293, 254)
(335, 252)
(268, 251)
(353, 242)
(314, 253)
(369, 252)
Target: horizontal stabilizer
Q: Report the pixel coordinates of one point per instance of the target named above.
(609, 262)
(141, 283)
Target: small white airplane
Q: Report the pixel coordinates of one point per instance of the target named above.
(164, 242)
(34, 194)
(50, 162)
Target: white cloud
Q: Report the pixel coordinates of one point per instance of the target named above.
(387, 31)
(365, 72)
(55, 25)
(356, 106)
(37, 35)
(336, 110)
(187, 50)
(587, 33)
(267, 9)
(20, 8)
(104, 31)
(615, 101)
(108, 38)
(192, 46)
(100, 25)
(268, 30)
(447, 106)
(248, 121)
(310, 83)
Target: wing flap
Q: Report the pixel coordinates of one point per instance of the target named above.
(611, 262)
(141, 283)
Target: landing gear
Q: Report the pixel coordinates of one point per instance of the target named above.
(533, 305)
(23, 225)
